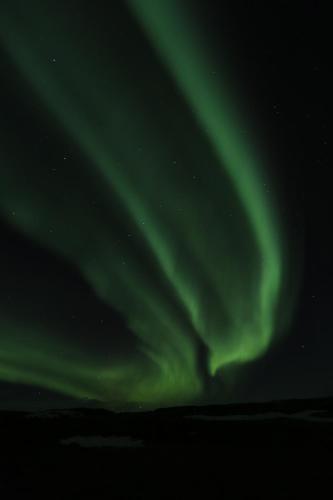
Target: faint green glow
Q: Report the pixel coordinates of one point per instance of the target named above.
(203, 270)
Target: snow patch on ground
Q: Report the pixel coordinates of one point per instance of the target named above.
(308, 415)
(103, 441)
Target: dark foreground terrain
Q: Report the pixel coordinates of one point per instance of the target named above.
(274, 450)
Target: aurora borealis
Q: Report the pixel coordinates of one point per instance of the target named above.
(151, 182)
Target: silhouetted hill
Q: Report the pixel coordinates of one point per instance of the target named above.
(281, 449)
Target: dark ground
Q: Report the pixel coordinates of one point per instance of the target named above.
(262, 450)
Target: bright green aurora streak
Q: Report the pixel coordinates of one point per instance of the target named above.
(197, 272)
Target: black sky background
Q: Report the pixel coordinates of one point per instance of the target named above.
(282, 51)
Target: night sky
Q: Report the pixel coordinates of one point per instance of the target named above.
(165, 202)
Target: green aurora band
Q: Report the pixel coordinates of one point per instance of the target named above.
(196, 269)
